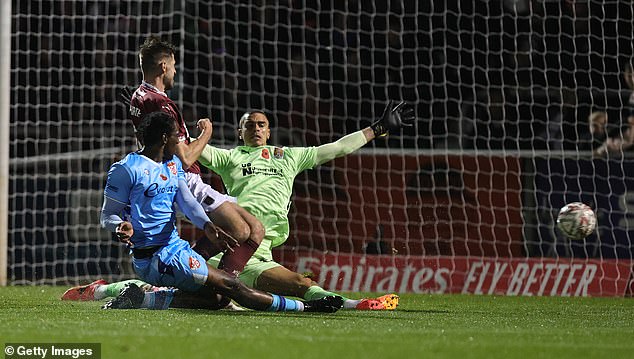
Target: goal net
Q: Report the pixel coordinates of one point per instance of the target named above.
(464, 201)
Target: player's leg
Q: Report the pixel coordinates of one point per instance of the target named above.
(177, 265)
(245, 228)
(233, 219)
(283, 281)
(199, 300)
(100, 289)
(221, 282)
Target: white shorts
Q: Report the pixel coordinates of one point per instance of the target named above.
(208, 197)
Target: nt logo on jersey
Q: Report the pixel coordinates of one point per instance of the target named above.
(248, 170)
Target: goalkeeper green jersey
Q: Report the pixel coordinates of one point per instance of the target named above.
(262, 180)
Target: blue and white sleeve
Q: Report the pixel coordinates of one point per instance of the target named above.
(189, 206)
(115, 197)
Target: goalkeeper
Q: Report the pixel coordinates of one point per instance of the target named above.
(264, 187)
(261, 177)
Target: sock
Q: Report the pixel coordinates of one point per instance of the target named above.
(283, 304)
(159, 299)
(101, 292)
(351, 303)
(316, 292)
(113, 289)
(234, 262)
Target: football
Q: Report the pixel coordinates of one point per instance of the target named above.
(576, 220)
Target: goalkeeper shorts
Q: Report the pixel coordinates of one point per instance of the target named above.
(260, 262)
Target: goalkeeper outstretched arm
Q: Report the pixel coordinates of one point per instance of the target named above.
(344, 145)
(393, 118)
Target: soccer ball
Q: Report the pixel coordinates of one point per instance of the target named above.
(576, 220)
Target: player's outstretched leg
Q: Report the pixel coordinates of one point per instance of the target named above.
(100, 289)
(283, 281)
(133, 297)
(228, 285)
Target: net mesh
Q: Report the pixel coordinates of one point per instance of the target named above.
(502, 89)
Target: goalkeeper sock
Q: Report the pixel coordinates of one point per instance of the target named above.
(316, 292)
(113, 289)
(283, 304)
(159, 300)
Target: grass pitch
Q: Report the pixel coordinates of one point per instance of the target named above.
(424, 326)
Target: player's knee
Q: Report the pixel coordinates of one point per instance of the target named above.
(257, 231)
(241, 232)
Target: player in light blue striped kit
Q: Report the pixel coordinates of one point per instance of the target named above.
(150, 181)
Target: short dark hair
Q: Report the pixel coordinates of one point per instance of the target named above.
(268, 114)
(154, 126)
(152, 51)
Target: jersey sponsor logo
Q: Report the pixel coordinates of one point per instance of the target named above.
(265, 153)
(154, 189)
(278, 153)
(172, 167)
(194, 263)
(249, 169)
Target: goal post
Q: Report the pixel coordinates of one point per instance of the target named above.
(506, 95)
(5, 88)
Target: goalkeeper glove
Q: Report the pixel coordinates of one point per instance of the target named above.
(125, 95)
(394, 118)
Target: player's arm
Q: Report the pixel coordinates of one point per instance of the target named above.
(214, 158)
(196, 214)
(115, 201)
(343, 146)
(393, 118)
(189, 153)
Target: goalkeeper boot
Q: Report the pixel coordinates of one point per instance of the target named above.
(83, 292)
(329, 304)
(385, 302)
(131, 297)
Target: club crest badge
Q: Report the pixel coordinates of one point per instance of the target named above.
(172, 167)
(265, 154)
(194, 263)
(278, 153)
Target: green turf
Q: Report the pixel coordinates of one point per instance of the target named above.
(424, 326)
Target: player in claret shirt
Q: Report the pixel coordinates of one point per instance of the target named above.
(158, 66)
